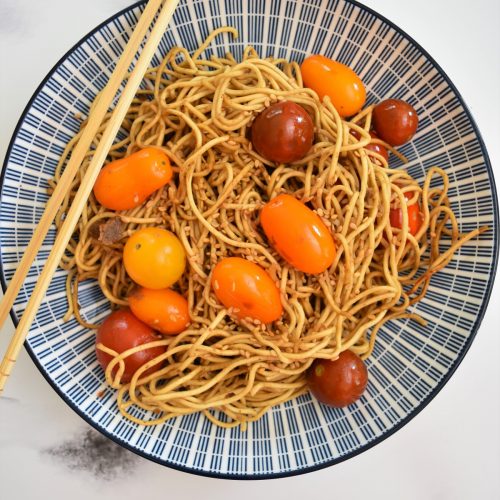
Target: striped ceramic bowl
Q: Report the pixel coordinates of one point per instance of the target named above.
(410, 364)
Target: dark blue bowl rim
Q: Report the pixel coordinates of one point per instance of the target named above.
(400, 424)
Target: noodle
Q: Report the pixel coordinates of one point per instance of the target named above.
(198, 112)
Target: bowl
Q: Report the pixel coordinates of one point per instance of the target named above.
(410, 363)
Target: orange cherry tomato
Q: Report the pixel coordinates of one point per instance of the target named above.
(164, 310)
(126, 183)
(154, 258)
(298, 234)
(338, 383)
(247, 289)
(336, 80)
(121, 331)
(414, 218)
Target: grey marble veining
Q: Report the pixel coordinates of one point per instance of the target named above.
(90, 452)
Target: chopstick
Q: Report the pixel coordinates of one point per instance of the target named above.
(89, 178)
(94, 122)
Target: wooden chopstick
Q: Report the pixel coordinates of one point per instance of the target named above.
(94, 122)
(88, 181)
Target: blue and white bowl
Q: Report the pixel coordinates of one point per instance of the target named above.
(410, 364)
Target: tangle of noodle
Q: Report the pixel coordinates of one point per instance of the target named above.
(198, 111)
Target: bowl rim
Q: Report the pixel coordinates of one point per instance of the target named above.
(402, 422)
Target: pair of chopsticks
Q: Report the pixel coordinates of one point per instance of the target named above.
(95, 119)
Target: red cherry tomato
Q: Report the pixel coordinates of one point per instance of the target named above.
(395, 121)
(283, 132)
(338, 383)
(377, 148)
(121, 331)
(248, 289)
(298, 234)
(337, 81)
(414, 218)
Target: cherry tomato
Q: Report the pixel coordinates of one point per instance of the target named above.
(298, 234)
(377, 148)
(121, 331)
(126, 183)
(337, 81)
(338, 383)
(283, 132)
(414, 218)
(248, 289)
(164, 310)
(154, 258)
(395, 121)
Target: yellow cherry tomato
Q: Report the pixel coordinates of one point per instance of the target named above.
(298, 234)
(164, 310)
(247, 289)
(337, 81)
(154, 258)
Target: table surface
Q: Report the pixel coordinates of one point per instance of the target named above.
(451, 450)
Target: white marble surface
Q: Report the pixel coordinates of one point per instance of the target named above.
(451, 450)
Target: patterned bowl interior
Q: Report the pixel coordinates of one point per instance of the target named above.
(410, 363)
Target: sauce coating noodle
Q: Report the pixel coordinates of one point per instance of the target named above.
(199, 111)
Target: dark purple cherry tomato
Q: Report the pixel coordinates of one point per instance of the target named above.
(377, 148)
(395, 121)
(283, 132)
(338, 383)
